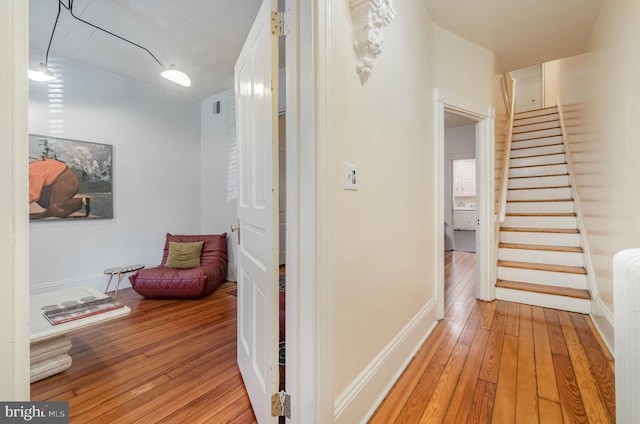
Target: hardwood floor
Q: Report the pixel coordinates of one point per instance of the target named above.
(174, 361)
(169, 361)
(503, 362)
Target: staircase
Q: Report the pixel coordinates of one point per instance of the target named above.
(540, 260)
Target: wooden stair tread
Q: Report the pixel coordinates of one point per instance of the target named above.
(536, 123)
(519, 115)
(541, 200)
(541, 230)
(539, 176)
(538, 156)
(546, 125)
(538, 188)
(535, 138)
(533, 166)
(543, 109)
(543, 267)
(570, 214)
(570, 249)
(535, 147)
(541, 288)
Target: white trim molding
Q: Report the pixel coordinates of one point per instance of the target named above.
(603, 319)
(485, 148)
(369, 17)
(14, 213)
(352, 405)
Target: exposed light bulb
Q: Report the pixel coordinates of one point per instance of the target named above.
(174, 75)
(43, 74)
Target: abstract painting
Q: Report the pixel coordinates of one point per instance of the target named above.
(69, 179)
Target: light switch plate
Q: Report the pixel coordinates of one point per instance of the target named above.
(350, 176)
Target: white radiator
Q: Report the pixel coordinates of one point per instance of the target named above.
(626, 305)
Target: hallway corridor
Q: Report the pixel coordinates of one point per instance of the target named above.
(502, 362)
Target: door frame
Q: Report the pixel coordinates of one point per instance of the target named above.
(309, 313)
(485, 193)
(14, 233)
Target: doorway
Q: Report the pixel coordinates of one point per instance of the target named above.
(482, 119)
(460, 183)
(464, 204)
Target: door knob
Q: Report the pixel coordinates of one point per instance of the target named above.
(235, 228)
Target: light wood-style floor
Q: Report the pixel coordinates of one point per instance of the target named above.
(174, 361)
(169, 361)
(503, 362)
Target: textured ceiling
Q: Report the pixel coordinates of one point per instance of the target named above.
(201, 37)
(520, 32)
(204, 37)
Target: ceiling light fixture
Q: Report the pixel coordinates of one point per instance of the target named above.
(179, 77)
(172, 74)
(42, 73)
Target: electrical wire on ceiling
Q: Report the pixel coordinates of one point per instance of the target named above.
(171, 73)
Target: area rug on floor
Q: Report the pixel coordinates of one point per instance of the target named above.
(283, 285)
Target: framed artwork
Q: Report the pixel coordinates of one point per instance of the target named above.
(69, 179)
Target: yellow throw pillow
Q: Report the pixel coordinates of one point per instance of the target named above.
(184, 255)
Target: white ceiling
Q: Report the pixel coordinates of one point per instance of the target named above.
(201, 37)
(520, 32)
(204, 37)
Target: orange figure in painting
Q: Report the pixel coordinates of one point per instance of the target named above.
(53, 185)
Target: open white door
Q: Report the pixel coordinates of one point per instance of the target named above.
(256, 88)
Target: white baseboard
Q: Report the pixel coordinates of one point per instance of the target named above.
(97, 281)
(361, 399)
(232, 272)
(603, 320)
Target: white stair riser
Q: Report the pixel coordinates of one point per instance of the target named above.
(545, 239)
(538, 160)
(540, 207)
(539, 194)
(541, 256)
(533, 151)
(582, 306)
(536, 119)
(536, 142)
(547, 278)
(538, 170)
(535, 112)
(536, 134)
(535, 126)
(553, 181)
(563, 222)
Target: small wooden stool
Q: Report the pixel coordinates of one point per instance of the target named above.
(120, 271)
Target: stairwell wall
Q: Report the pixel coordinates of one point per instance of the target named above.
(600, 92)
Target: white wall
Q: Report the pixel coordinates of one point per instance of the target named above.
(156, 171)
(219, 171)
(461, 69)
(600, 94)
(382, 236)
